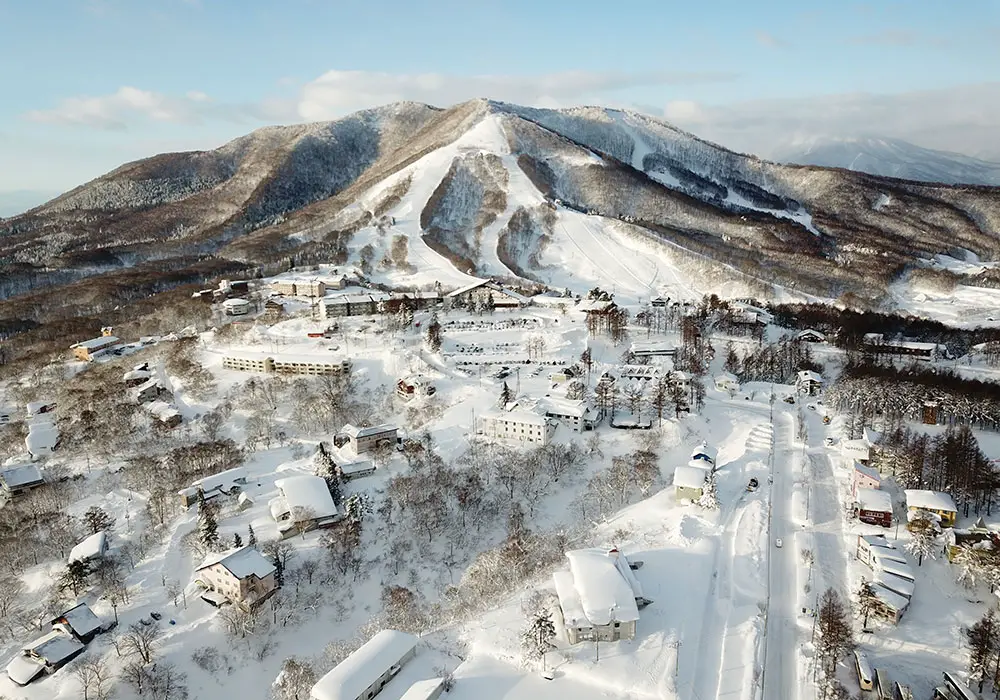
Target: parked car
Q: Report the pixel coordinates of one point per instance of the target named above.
(830, 442)
(777, 543)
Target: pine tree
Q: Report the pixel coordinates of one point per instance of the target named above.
(208, 526)
(536, 639)
(97, 520)
(835, 636)
(732, 361)
(982, 638)
(490, 304)
(279, 572)
(251, 536)
(433, 335)
(506, 396)
(709, 499)
(867, 603)
(587, 360)
(237, 540)
(75, 576)
(356, 507)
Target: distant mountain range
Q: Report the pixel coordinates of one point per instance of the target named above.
(893, 158)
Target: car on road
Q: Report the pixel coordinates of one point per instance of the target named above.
(777, 543)
(830, 442)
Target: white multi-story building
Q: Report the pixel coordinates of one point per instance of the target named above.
(519, 426)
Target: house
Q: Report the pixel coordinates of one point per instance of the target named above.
(682, 380)
(727, 382)
(597, 600)
(810, 335)
(888, 605)
(689, 482)
(79, 622)
(304, 503)
(14, 480)
(229, 482)
(273, 311)
(483, 291)
(875, 343)
(864, 477)
(639, 372)
(955, 538)
(860, 449)
(896, 584)
(243, 576)
(42, 438)
(642, 349)
(356, 470)
(865, 544)
(294, 287)
(936, 502)
(877, 556)
(93, 547)
(874, 507)
(808, 382)
(706, 454)
(87, 350)
(894, 567)
(414, 385)
(148, 391)
(522, 426)
(137, 376)
(563, 374)
(429, 689)
(368, 439)
(236, 307)
(165, 413)
(363, 674)
(47, 654)
(575, 414)
(37, 408)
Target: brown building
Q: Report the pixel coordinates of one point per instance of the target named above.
(89, 349)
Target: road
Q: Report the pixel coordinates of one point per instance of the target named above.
(781, 641)
(826, 515)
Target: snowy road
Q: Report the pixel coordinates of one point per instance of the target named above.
(780, 678)
(826, 515)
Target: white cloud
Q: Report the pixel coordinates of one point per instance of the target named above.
(961, 119)
(770, 40)
(337, 92)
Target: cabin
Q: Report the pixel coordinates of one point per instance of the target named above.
(304, 503)
(689, 481)
(15, 480)
(810, 335)
(229, 482)
(599, 597)
(243, 576)
(888, 606)
(137, 376)
(165, 413)
(364, 440)
(79, 622)
(149, 390)
(44, 655)
(865, 545)
(644, 373)
(89, 549)
(864, 477)
(87, 350)
(236, 307)
(727, 382)
(519, 426)
(874, 507)
(938, 503)
(363, 674)
(356, 470)
(860, 449)
(808, 382)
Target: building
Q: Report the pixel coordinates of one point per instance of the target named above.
(79, 622)
(44, 655)
(243, 576)
(87, 350)
(363, 674)
(876, 344)
(888, 605)
(896, 584)
(148, 391)
(165, 413)
(860, 449)
(874, 507)
(42, 438)
(808, 382)
(866, 543)
(304, 503)
(955, 539)
(639, 372)
(229, 482)
(248, 362)
(236, 307)
(653, 348)
(14, 480)
(295, 287)
(37, 408)
(414, 385)
(575, 414)
(368, 439)
(93, 547)
(482, 291)
(273, 311)
(563, 374)
(521, 426)
(137, 376)
(429, 689)
(356, 470)
(864, 477)
(689, 481)
(263, 363)
(727, 382)
(705, 454)
(810, 335)
(598, 597)
(936, 502)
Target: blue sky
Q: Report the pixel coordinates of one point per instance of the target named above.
(89, 84)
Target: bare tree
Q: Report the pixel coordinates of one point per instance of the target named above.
(294, 681)
(140, 640)
(94, 677)
(10, 589)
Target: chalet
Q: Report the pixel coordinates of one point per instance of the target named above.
(368, 439)
(79, 622)
(87, 350)
(875, 343)
(165, 413)
(575, 414)
(644, 373)
(229, 482)
(727, 382)
(889, 606)
(236, 307)
(363, 674)
(597, 308)
(808, 382)
(42, 438)
(91, 548)
(874, 507)
(936, 502)
(414, 385)
(293, 287)
(304, 503)
(137, 376)
(483, 291)
(864, 477)
(598, 597)
(148, 391)
(520, 426)
(15, 480)
(642, 349)
(865, 544)
(705, 454)
(860, 449)
(243, 576)
(810, 335)
(955, 538)
(45, 655)
(689, 482)
(355, 470)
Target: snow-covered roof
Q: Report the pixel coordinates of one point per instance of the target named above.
(36, 407)
(222, 480)
(875, 500)
(877, 541)
(242, 562)
(423, 690)
(588, 305)
(148, 384)
(810, 331)
(136, 374)
(356, 467)
(621, 562)
(896, 568)
(515, 416)
(468, 288)
(640, 371)
(703, 451)
(42, 437)
(24, 475)
(889, 598)
(872, 437)
(81, 620)
(929, 500)
(569, 600)
(352, 676)
(726, 378)
(307, 494)
(689, 477)
(54, 646)
(96, 343)
(235, 303)
(354, 432)
(641, 347)
(604, 592)
(886, 554)
(23, 669)
(807, 375)
(870, 472)
(564, 407)
(162, 410)
(91, 548)
(894, 583)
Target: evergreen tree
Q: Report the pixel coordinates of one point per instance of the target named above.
(75, 576)
(506, 396)
(251, 536)
(237, 540)
(208, 526)
(982, 638)
(709, 499)
(97, 520)
(867, 603)
(279, 572)
(537, 638)
(732, 361)
(835, 636)
(587, 360)
(333, 485)
(357, 506)
(490, 304)
(433, 335)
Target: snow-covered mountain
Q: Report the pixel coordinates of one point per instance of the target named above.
(893, 158)
(568, 198)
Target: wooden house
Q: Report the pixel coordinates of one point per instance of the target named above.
(874, 507)
(938, 503)
(243, 576)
